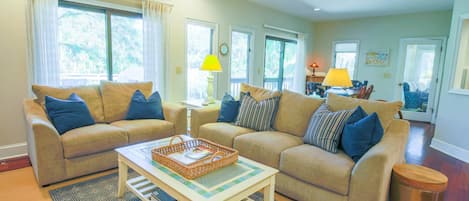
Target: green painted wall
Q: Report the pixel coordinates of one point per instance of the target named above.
(451, 134)
(378, 33)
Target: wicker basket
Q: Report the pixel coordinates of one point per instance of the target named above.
(199, 168)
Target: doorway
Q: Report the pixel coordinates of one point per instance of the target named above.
(280, 63)
(419, 64)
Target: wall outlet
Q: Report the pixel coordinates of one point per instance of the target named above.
(178, 70)
(387, 75)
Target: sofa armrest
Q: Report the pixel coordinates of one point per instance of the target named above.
(177, 114)
(44, 145)
(201, 116)
(371, 175)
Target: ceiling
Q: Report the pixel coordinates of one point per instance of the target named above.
(346, 9)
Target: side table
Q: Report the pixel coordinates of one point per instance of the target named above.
(417, 183)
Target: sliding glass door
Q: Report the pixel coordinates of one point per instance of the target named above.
(280, 62)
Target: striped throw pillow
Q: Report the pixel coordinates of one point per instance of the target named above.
(325, 128)
(257, 115)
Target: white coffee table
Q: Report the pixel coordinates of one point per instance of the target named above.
(234, 182)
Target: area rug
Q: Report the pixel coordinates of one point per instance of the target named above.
(103, 189)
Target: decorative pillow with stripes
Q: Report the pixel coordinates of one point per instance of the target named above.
(257, 115)
(325, 128)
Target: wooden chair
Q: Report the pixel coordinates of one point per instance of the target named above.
(365, 93)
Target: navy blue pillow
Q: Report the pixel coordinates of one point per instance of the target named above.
(361, 132)
(68, 114)
(229, 109)
(141, 108)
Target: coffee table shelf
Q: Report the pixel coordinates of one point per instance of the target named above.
(141, 187)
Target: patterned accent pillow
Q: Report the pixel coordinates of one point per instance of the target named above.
(257, 115)
(325, 128)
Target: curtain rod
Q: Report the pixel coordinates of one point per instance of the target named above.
(281, 29)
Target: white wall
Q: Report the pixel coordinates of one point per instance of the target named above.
(452, 124)
(13, 77)
(378, 33)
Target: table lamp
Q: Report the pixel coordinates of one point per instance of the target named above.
(211, 64)
(337, 79)
(314, 66)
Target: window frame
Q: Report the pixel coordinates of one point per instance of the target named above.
(108, 12)
(357, 56)
(213, 50)
(283, 40)
(250, 63)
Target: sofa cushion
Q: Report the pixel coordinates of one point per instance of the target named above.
(222, 133)
(68, 114)
(385, 110)
(265, 147)
(325, 128)
(294, 111)
(116, 97)
(90, 94)
(311, 164)
(143, 108)
(257, 115)
(145, 129)
(258, 93)
(92, 139)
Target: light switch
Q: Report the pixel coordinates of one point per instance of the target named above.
(178, 70)
(387, 75)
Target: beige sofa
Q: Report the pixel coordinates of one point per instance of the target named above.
(90, 149)
(308, 172)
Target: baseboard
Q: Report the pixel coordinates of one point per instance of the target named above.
(14, 163)
(452, 150)
(13, 151)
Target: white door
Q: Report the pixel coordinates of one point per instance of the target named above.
(417, 78)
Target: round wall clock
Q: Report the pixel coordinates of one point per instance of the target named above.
(224, 49)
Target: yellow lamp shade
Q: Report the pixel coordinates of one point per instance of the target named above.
(211, 63)
(337, 77)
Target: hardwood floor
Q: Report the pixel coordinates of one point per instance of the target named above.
(21, 185)
(419, 152)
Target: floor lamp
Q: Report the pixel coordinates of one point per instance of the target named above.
(211, 64)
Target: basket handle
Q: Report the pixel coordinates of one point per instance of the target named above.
(218, 153)
(174, 137)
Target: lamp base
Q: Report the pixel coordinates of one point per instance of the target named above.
(209, 99)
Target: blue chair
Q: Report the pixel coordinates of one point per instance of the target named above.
(413, 99)
(312, 87)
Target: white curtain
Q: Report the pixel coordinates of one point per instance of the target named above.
(155, 43)
(43, 42)
(299, 80)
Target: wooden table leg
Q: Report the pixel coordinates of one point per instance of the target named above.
(122, 177)
(269, 190)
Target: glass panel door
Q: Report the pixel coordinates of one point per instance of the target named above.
(418, 80)
(280, 63)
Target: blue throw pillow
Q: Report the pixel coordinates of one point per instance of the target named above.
(229, 109)
(361, 132)
(141, 108)
(68, 114)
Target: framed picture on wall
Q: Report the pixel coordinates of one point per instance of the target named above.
(377, 57)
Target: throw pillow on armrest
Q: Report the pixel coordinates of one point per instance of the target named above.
(325, 128)
(68, 114)
(361, 132)
(229, 109)
(141, 108)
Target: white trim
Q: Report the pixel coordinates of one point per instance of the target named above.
(449, 149)
(13, 150)
(109, 5)
(280, 29)
(454, 60)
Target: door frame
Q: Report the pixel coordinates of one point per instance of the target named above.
(439, 70)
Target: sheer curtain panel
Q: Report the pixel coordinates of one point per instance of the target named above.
(155, 43)
(43, 42)
(299, 80)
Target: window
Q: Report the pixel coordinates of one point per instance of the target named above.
(99, 44)
(345, 56)
(240, 59)
(200, 43)
(280, 63)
